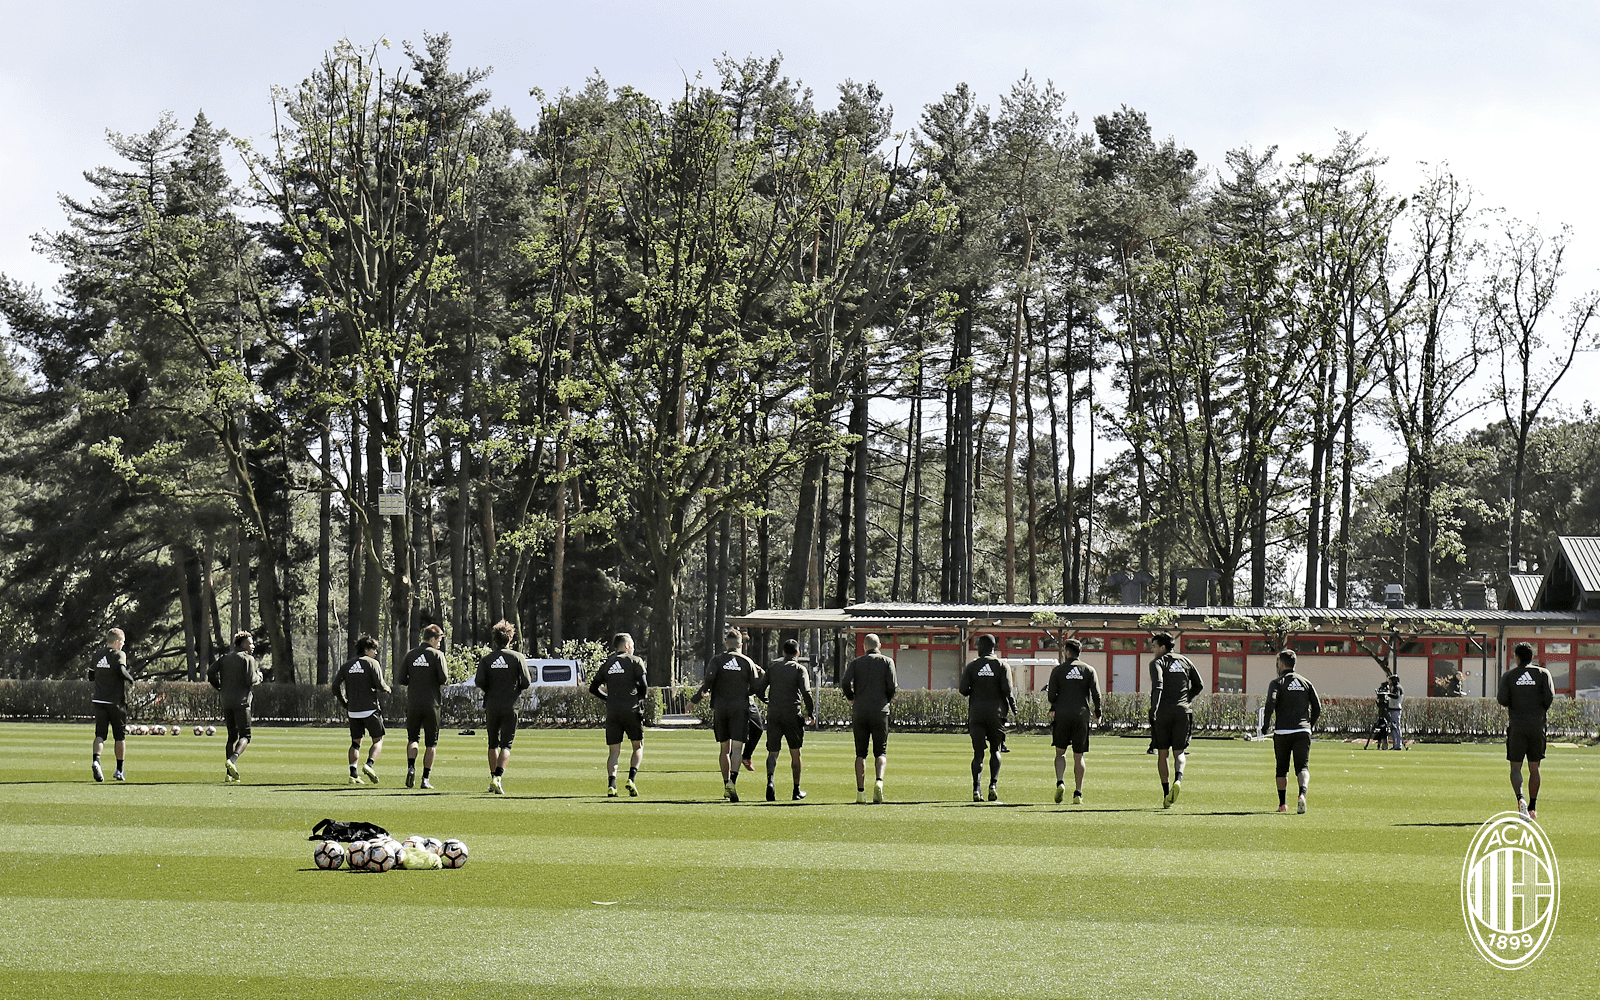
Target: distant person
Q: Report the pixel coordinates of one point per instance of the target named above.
(786, 687)
(1397, 696)
(869, 685)
(621, 683)
(502, 676)
(356, 686)
(1174, 684)
(730, 678)
(1073, 694)
(424, 673)
(1452, 687)
(1527, 692)
(111, 678)
(1292, 698)
(235, 675)
(986, 684)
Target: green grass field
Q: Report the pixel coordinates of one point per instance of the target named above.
(176, 885)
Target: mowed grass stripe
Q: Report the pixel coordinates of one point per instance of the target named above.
(629, 951)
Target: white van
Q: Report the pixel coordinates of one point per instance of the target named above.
(543, 674)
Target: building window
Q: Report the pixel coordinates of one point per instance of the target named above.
(1336, 646)
(1589, 649)
(943, 639)
(1018, 642)
(1046, 642)
(1588, 685)
(1560, 675)
(908, 641)
(1442, 671)
(1562, 648)
(1230, 675)
(1263, 647)
(1124, 642)
(1091, 643)
(1306, 645)
(1230, 645)
(1196, 645)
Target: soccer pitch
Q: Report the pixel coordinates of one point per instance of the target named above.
(176, 885)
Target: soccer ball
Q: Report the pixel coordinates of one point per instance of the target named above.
(454, 854)
(211, 730)
(382, 856)
(328, 855)
(176, 731)
(357, 855)
(415, 842)
(199, 730)
(161, 730)
(433, 845)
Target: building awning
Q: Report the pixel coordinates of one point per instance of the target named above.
(844, 618)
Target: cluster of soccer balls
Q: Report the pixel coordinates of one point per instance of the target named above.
(169, 730)
(385, 854)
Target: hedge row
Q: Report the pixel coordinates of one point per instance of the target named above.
(1469, 718)
(164, 701)
(919, 710)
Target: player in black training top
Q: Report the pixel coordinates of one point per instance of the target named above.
(424, 673)
(1174, 683)
(111, 678)
(730, 678)
(1526, 690)
(356, 686)
(869, 684)
(1073, 695)
(1291, 697)
(621, 684)
(986, 684)
(786, 688)
(502, 676)
(235, 675)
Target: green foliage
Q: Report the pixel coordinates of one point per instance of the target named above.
(1161, 620)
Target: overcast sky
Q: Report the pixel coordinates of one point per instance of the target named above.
(1505, 93)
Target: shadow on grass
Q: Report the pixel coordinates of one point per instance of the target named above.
(1437, 824)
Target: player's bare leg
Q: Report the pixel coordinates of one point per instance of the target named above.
(614, 754)
(1533, 789)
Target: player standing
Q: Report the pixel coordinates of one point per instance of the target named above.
(1174, 683)
(111, 678)
(1073, 695)
(502, 676)
(356, 686)
(1397, 696)
(235, 675)
(730, 678)
(986, 683)
(622, 685)
(1526, 690)
(786, 686)
(869, 685)
(424, 673)
(1294, 700)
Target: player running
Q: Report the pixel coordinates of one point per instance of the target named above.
(1174, 683)
(1294, 700)
(111, 678)
(1073, 695)
(869, 685)
(621, 684)
(786, 687)
(1526, 690)
(424, 673)
(356, 686)
(502, 676)
(235, 675)
(730, 678)
(986, 684)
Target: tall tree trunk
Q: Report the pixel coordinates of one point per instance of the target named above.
(663, 640)
(859, 425)
(916, 479)
(797, 575)
(325, 539)
(373, 541)
(193, 627)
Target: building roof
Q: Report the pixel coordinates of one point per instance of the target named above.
(1582, 553)
(940, 617)
(1525, 590)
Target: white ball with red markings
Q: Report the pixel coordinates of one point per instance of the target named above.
(175, 731)
(356, 857)
(454, 854)
(433, 845)
(383, 856)
(211, 730)
(418, 842)
(199, 730)
(328, 855)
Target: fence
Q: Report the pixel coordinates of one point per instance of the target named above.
(914, 711)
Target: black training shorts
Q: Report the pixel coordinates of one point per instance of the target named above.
(1170, 730)
(780, 729)
(111, 719)
(729, 722)
(237, 719)
(422, 721)
(619, 724)
(1067, 732)
(873, 728)
(1524, 742)
(1285, 745)
(367, 725)
(986, 730)
(502, 726)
